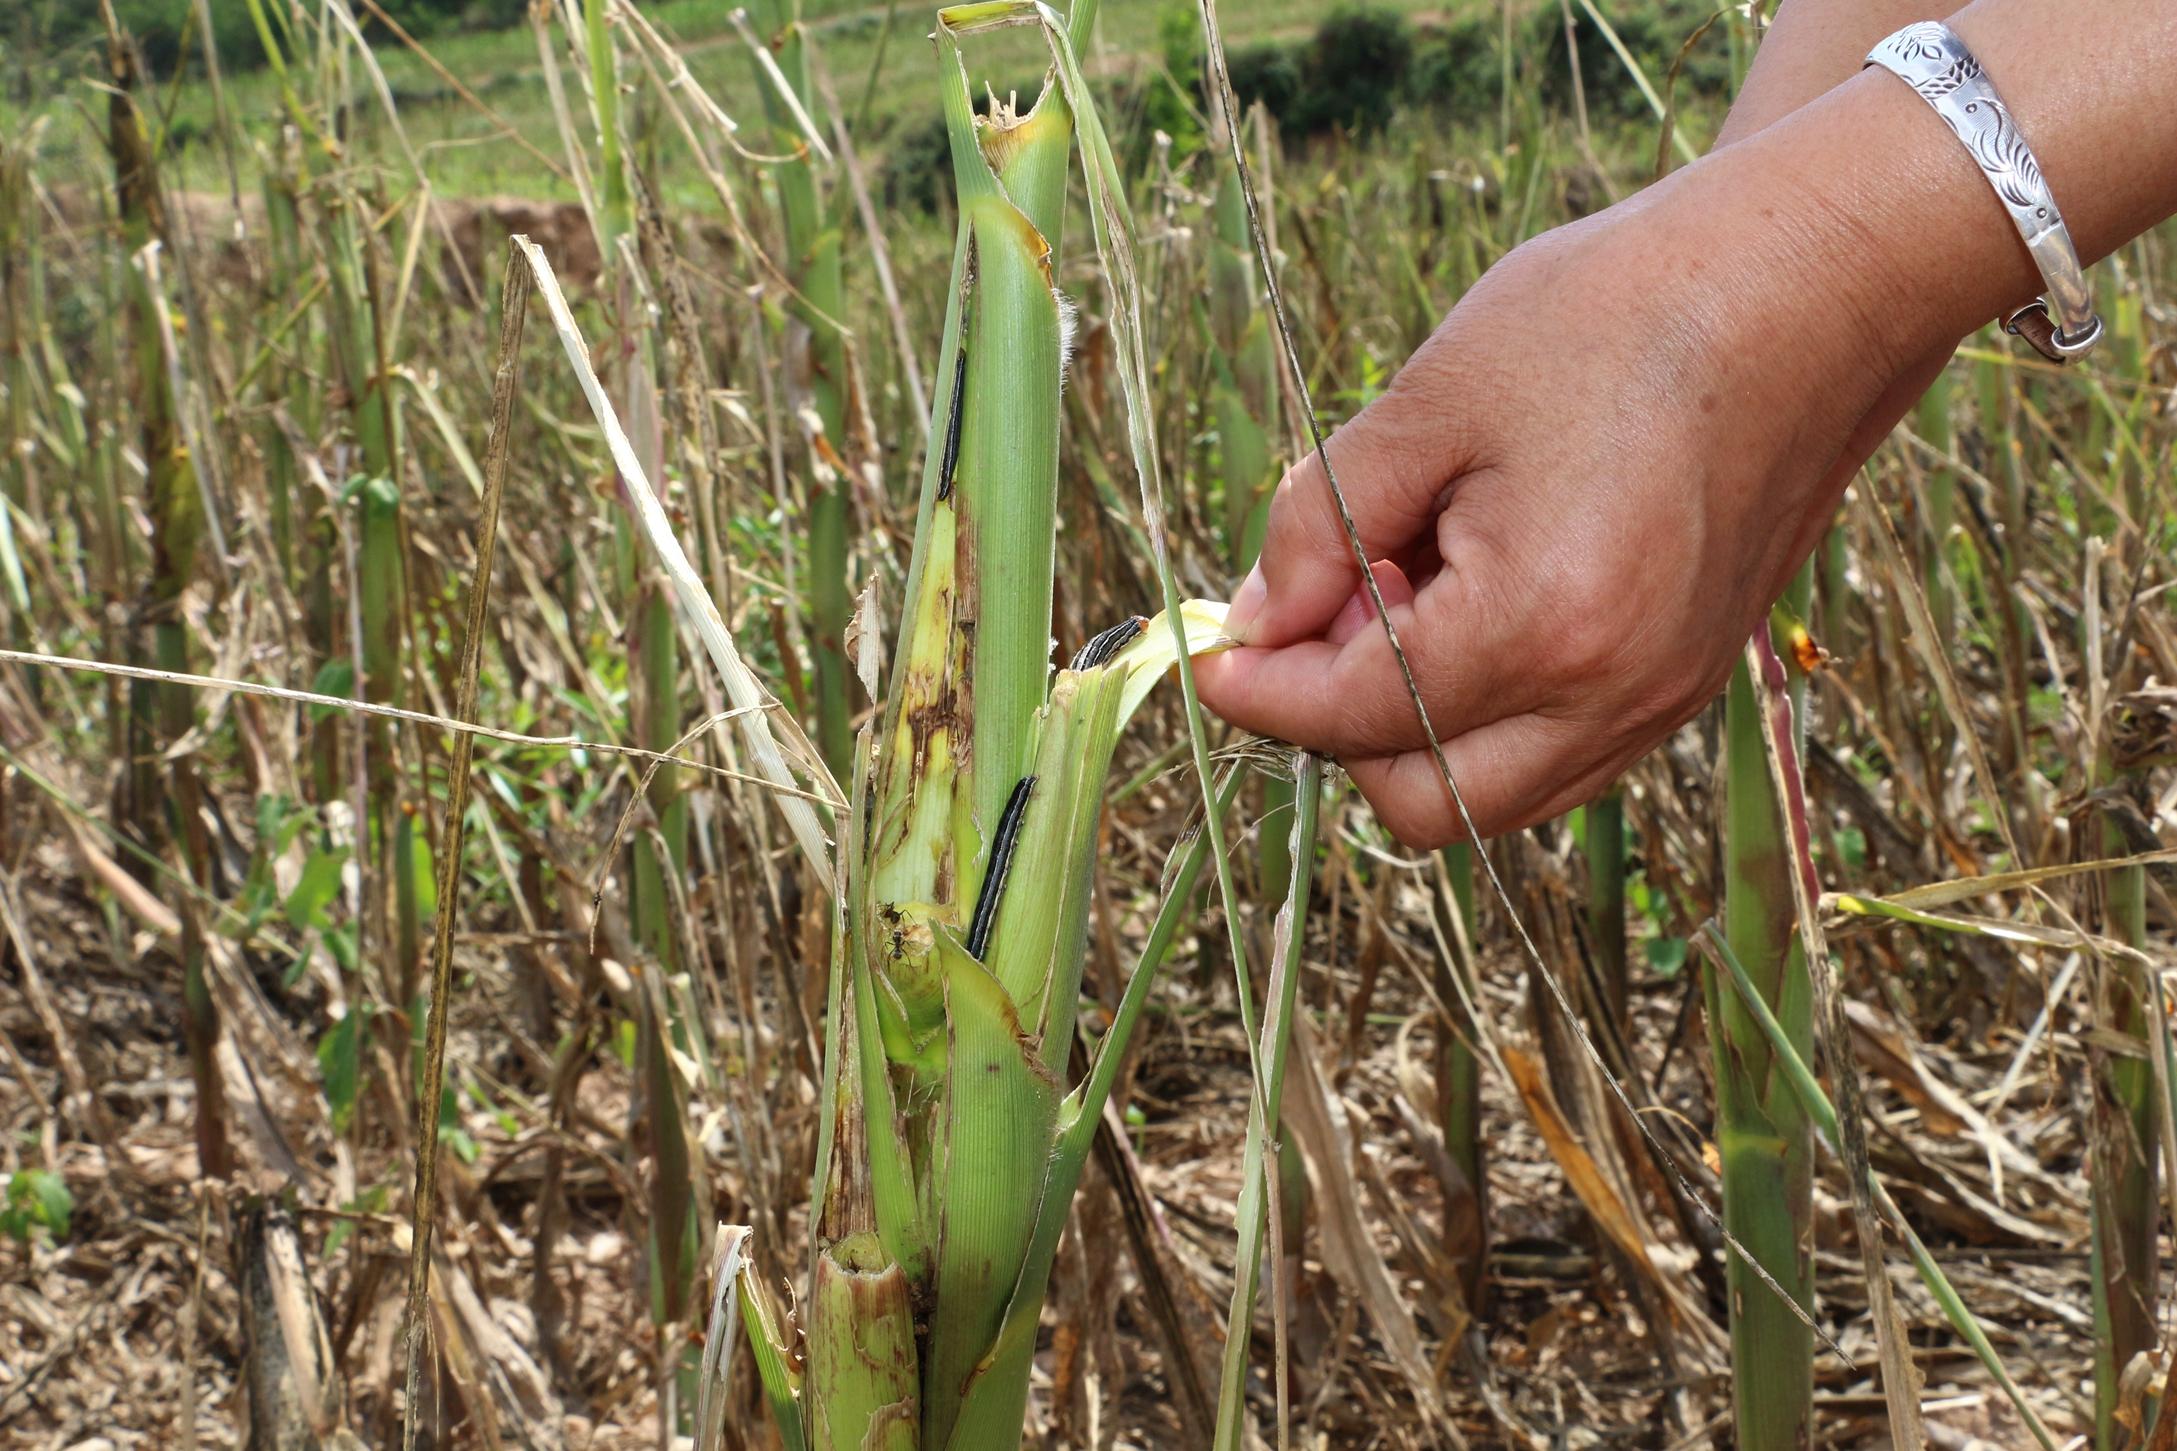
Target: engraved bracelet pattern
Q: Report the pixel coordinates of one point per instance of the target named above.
(1931, 59)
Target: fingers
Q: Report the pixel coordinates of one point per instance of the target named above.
(1511, 774)
(1346, 695)
(1360, 611)
(1393, 461)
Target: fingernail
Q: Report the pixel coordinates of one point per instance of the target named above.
(1246, 604)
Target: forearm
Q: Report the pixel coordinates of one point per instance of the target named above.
(1893, 229)
(1811, 45)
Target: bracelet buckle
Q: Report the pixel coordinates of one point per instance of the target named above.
(2033, 323)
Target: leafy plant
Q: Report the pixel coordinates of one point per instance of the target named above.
(37, 1199)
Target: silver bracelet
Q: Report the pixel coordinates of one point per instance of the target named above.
(1931, 59)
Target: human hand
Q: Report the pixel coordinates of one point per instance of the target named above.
(1583, 497)
(1605, 464)
(1584, 490)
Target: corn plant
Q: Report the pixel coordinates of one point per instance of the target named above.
(2124, 1139)
(351, 535)
(360, 356)
(1763, 1134)
(658, 851)
(160, 715)
(1938, 499)
(950, 1149)
(1603, 831)
(813, 228)
(2125, 1130)
(2124, 1134)
(1459, 1074)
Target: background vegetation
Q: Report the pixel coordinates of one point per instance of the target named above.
(248, 344)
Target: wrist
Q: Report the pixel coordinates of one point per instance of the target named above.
(1801, 250)
(1899, 227)
(1892, 235)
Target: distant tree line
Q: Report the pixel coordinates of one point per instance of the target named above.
(1365, 62)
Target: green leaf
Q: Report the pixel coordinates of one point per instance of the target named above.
(1667, 955)
(334, 677)
(425, 875)
(299, 966)
(315, 890)
(41, 1198)
(272, 813)
(340, 1062)
(1852, 846)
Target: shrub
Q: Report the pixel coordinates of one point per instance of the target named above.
(1269, 73)
(1362, 62)
(1456, 71)
(917, 171)
(1174, 94)
(1355, 69)
(1348, 75)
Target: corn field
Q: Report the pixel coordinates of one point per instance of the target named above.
(606, 838)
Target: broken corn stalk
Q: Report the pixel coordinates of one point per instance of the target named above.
(950, 1146)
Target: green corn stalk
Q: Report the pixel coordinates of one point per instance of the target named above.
(1264, 1111)
(382, 570)
(631, 371)
(1938, 498)
(2007, 603)
(358, 348)
(2123, 1138)
(19, 326)
(1604, 832)
(2124, 1146)
(283, 231)
(950, 1148)
(1833, 557)
(166, 796)
(1244, 382)
(813, 235)
(1459, 1077)
(658, 854)
(1243, 400)
(305, 530)
(1762, 1130)
(1823, 1115)
(2126, 309)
